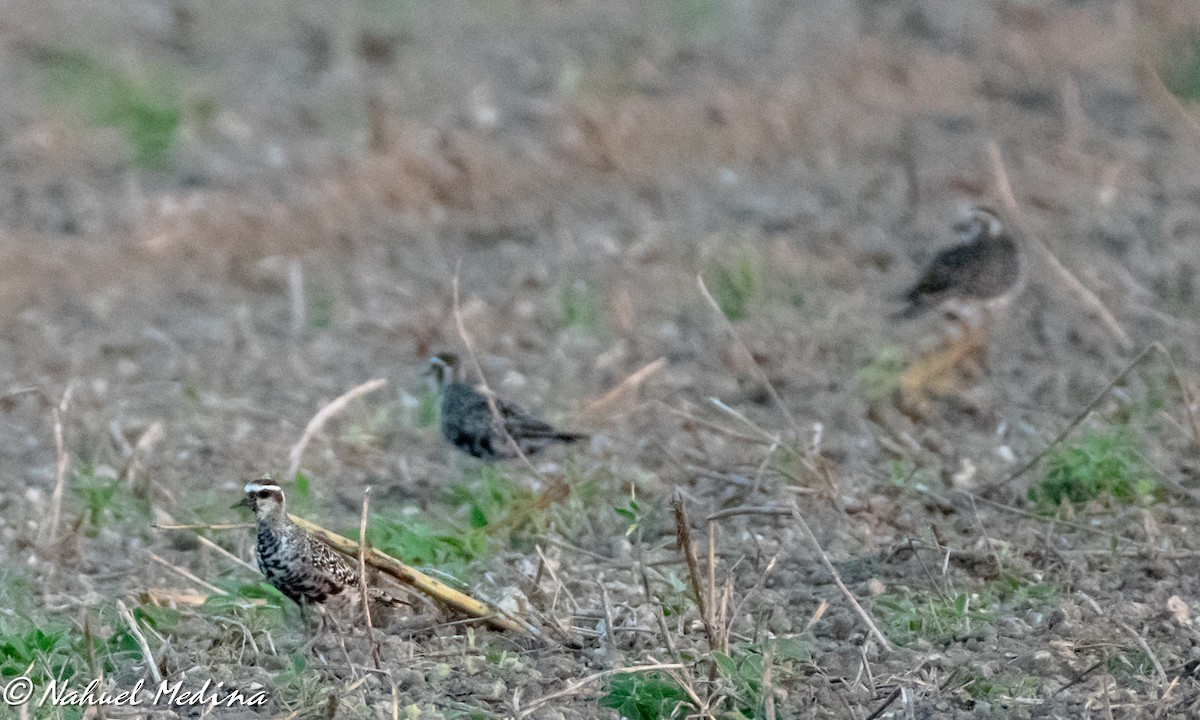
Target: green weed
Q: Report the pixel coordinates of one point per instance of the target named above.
(736, 284)
(492, 501)
(146, 110)
(103, 497)
(40, 653)
(581, 307)
(744, 667)
(319, 307)
(879, 378)
(939, 618)
(1102, 464)
(1183, 80)
(434, 544)
(645, 696)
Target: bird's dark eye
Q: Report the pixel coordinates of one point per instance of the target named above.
(263, 494)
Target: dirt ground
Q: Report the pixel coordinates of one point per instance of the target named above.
(177, 304)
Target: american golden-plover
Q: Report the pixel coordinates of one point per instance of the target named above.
(302, 567)
(467, 422)
(972, 279)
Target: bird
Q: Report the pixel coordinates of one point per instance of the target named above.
(972, 279)
(300, 566)
(468, 423)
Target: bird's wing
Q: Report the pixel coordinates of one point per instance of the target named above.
(945, 271)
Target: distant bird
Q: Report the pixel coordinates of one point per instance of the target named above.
(971, 279)
(302, 567)
(468, 424)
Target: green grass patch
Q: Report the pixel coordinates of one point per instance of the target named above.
(645, 696)
(736, 283)
(1182, 78)
(436, 544)
(1101, 465)
(939, 618)
(103, 498)
(581, 307)
(742, 671)
(146, 110)
(879, 378)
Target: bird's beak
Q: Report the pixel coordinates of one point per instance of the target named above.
(243, 503)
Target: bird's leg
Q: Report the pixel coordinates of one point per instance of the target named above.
(304, 613)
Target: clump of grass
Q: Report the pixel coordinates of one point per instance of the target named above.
(104, 497)
(1101, 464)
(581, 307)
(147, 110)
(938, 618)
(744, 667)
(736, 284)
(880, 377)
(41, 653)
(644, 696)
(440, 545)
(320, 308)
(1183, 79)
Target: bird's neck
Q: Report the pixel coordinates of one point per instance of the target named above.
(274, 522)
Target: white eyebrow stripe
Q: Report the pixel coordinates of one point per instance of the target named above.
(252, 487)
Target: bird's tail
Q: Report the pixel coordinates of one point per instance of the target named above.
(569, 437)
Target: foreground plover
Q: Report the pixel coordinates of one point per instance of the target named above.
(971, 279)
(302, 567)
(467, 422)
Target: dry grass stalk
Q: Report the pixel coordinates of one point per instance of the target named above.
(137, 461)
(170, 597)
(318, 421)
(683, 539)
(362, 580)
(837, 579)
(1083, 414)
(184, 573)
(1009, 200)
(1187, 395)
(60, 468)
(202, 526)
(762, 376)
(580, 684)
(419, 580)
(625, 390)
(141, 640)
(469, 344)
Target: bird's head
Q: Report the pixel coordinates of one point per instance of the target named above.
(441, 369)
(981, 222)
(263, 496)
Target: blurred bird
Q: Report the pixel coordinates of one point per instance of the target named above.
(971, 279)
(302, 567)
(467, 421)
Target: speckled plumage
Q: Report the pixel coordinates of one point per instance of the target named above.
(296, 563)
(468, 423)
(984, 272)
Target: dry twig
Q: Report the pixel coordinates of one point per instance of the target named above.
(420, 581)
(318, 421)
(141, 640)
(1004, 188)
(837, 579)
(60, 467)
